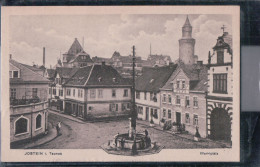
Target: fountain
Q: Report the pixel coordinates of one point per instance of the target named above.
(132, 143)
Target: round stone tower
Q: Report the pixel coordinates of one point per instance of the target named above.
(186, 44)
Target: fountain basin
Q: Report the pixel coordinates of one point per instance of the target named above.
(123, 141)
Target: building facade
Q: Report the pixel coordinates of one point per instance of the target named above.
(97, 90)
(220, 90)
(183, 99)
(28, 102)
(57, 89)
(148, 99)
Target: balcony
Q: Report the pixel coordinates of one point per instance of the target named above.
(28, 108)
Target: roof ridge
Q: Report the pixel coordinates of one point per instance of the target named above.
(89, 74)
(31, 70)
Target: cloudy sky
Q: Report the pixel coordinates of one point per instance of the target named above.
(104, 34)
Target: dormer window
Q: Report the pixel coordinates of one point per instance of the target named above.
(114, 79)
(183, 84)
(99, 79)
(14, 74)
(151, 80)
(178, 84)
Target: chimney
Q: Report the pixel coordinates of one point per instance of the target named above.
(200, 63)
(10, 56)
(44, 56)
(103, 63)
(195, 59)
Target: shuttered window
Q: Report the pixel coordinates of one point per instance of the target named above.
(219, 83)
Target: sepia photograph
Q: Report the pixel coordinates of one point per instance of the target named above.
(127, 83)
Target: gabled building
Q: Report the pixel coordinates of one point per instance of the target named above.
(28, 102)
(220, 89)
(99, 60)
(50, 74)
(97, 90)
(183, 99)
(159, 60)
(147, 95)
(57, 89)
(76, 56)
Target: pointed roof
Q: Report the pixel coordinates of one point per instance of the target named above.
(187, 22)
(154, 78)
(75, 47)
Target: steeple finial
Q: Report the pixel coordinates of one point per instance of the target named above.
(187, 22)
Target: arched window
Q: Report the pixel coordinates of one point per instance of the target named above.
(21, 125)
(38, 121)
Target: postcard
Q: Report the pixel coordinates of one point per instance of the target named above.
(120, 83)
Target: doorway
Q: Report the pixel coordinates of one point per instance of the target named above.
(147, 113)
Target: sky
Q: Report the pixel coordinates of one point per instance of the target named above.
(104, 34)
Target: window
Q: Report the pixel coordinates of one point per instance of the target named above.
(74, 92)
(220, 57)
(125, 93)
(195, 120)
(92, 93)
(49, 90)
(151, 96)
(187, 101)
(61, 92)
(100, 93)
(195, 101)
(178, 99)
(13, 93)
(21, 126)
(155, 113)
(220, 83)
(15, 74)
(54, 91)
(68, 92)
(38, 121)
(164, 98)
(155, 97)
(80, 93)
(187, 118)
(137, 94)
(34, 92)
(113, 93)
(178, 84)
(145, 96)
(169, 114)
(169, 99)
(113, 107)
(140, 110)
(164, 112)
(10, 74)
(183, 84)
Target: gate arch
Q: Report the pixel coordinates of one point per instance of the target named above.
(220, 125)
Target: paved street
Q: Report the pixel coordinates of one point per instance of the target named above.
(76, 135)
